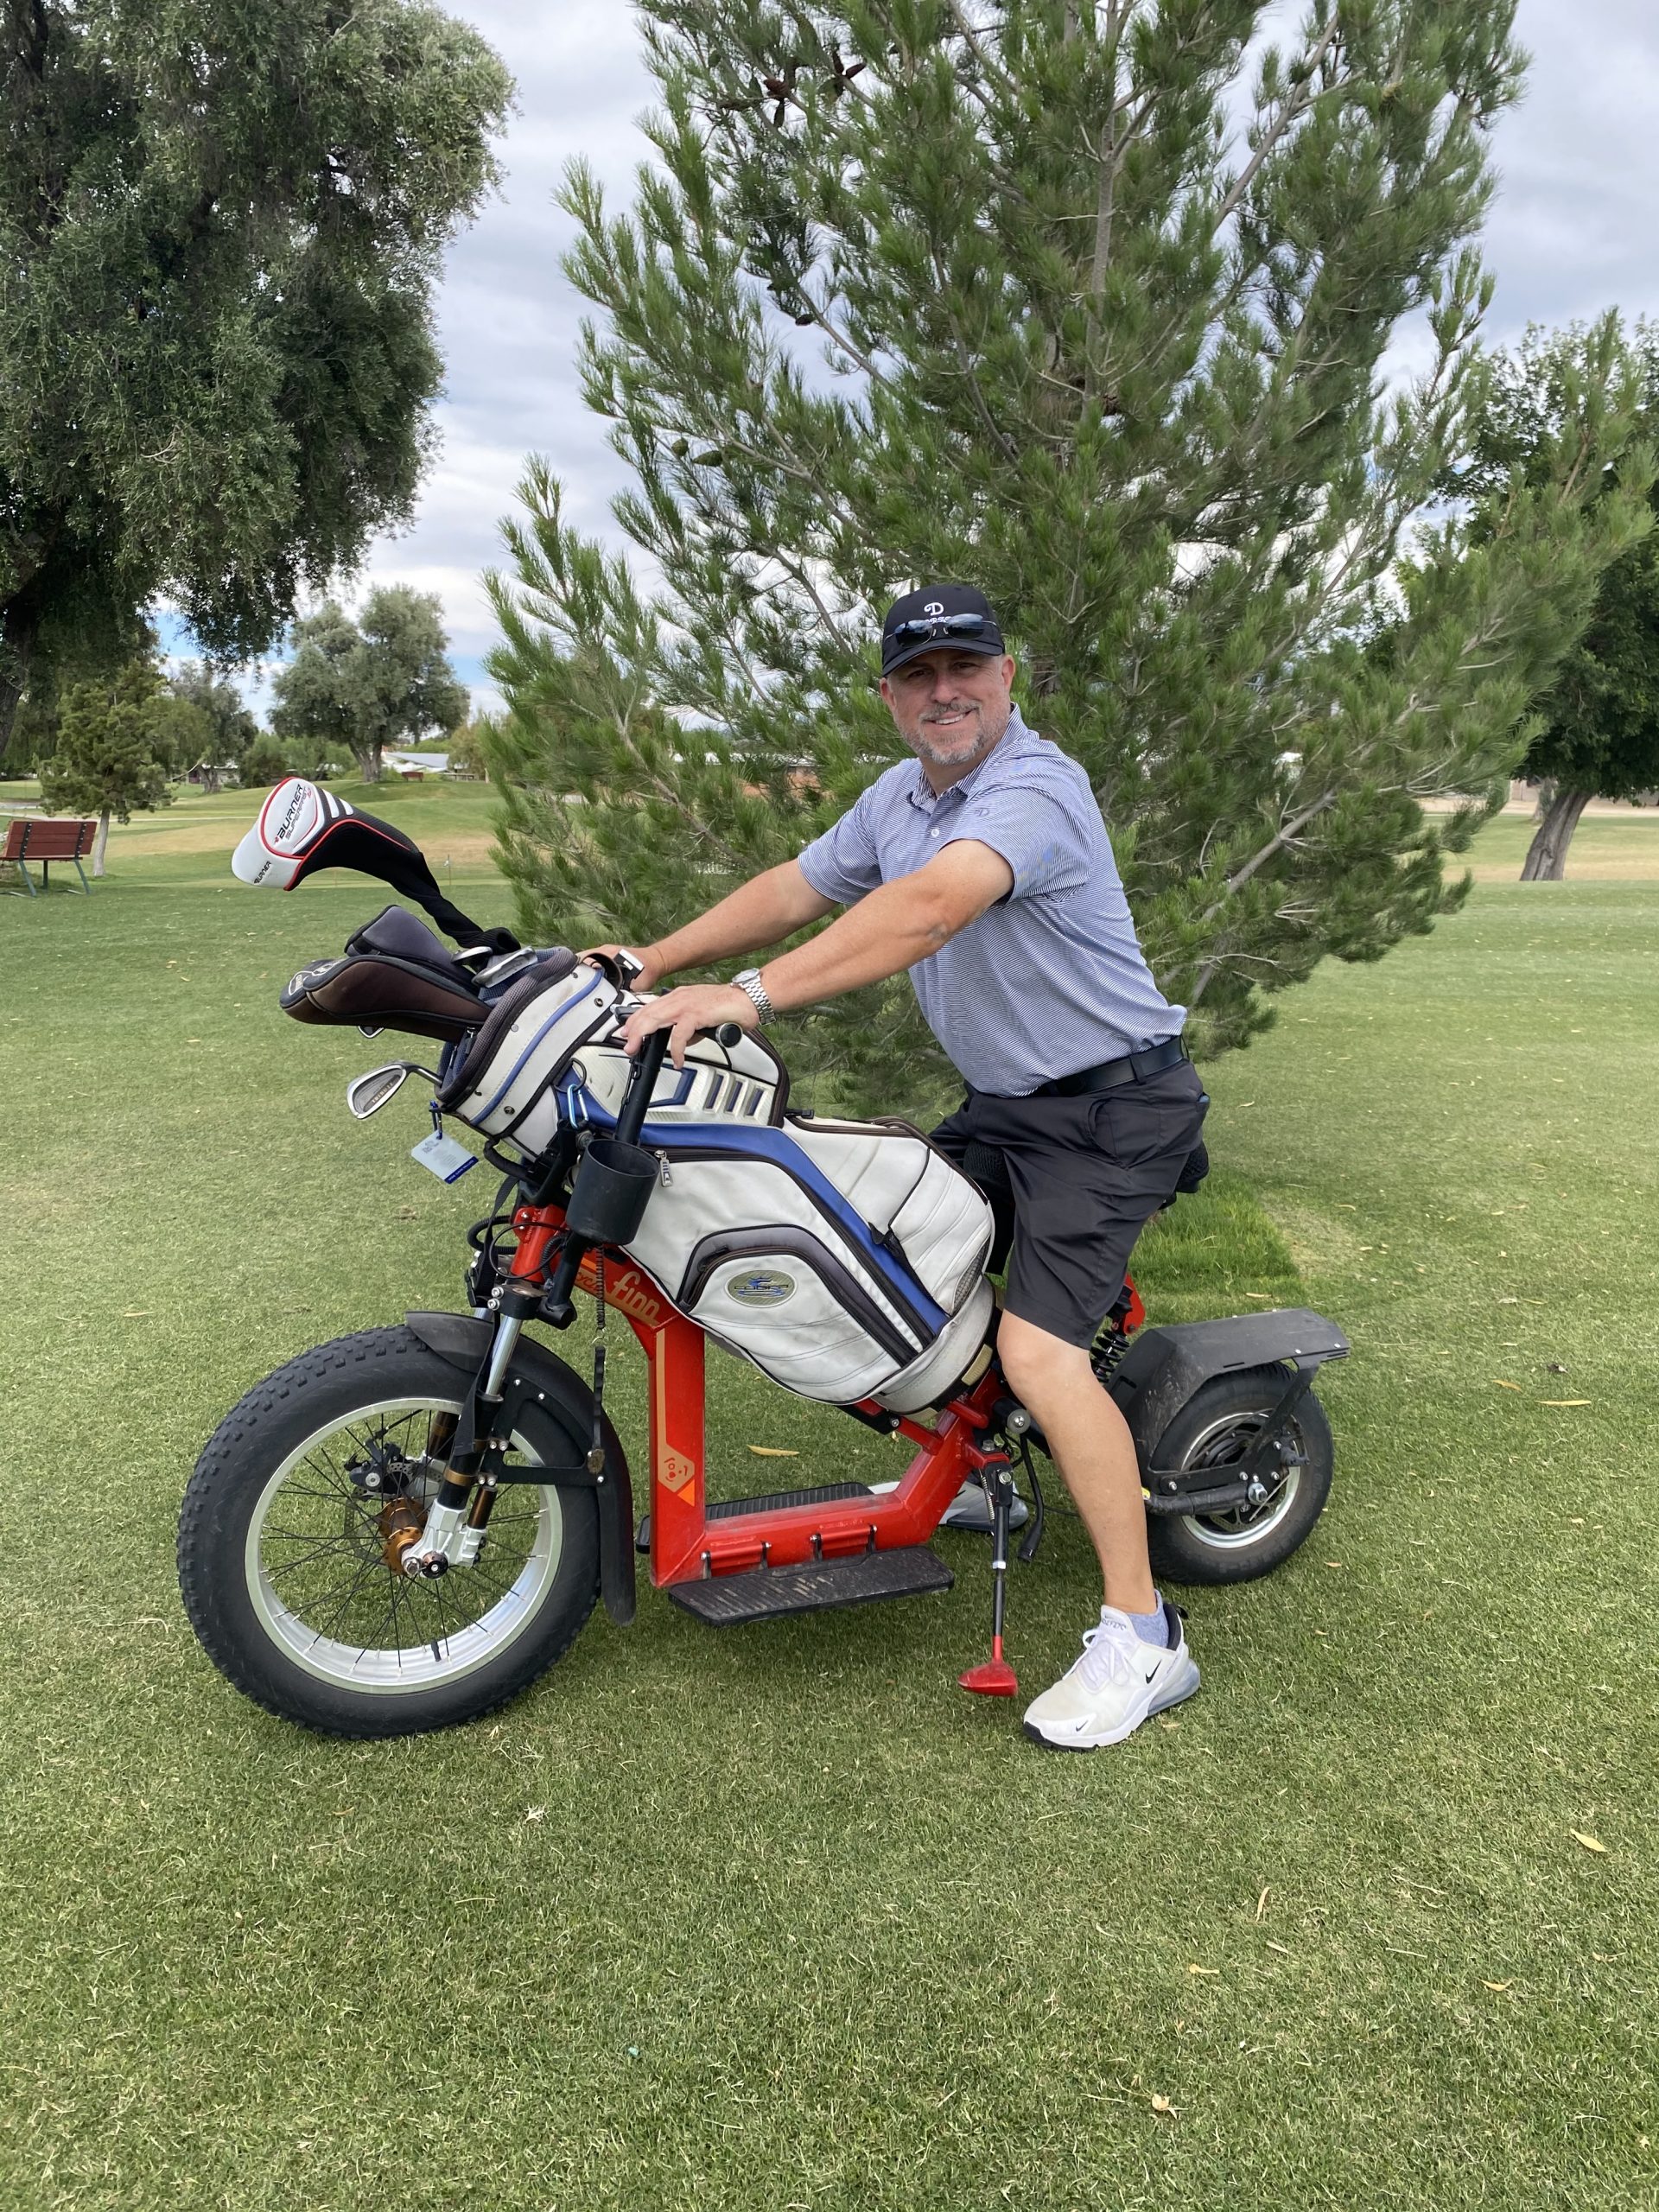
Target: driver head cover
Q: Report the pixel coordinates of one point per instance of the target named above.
(292, 822)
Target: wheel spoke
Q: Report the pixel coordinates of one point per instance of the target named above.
(334, 1483)
(325, 1592)
(495, 1591)
(331, 1544)
(362, 1575)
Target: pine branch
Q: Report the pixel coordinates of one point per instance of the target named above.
(1295, 105)
(839, 338)
(1287, 834)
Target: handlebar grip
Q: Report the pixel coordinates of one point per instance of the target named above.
(641, 1084)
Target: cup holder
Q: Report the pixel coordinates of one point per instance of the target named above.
(611, 1190)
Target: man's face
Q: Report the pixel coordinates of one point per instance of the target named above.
(950, 706)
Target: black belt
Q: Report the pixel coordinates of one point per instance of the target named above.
(1132, 1068)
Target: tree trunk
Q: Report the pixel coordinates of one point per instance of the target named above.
(18, 628)
(369, 762)
(100, 841)
(1546, 860)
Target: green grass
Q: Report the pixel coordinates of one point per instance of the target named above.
(780, 1918)
(1606, 849)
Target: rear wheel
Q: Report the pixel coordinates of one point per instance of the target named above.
(294, 1524)
(1210, 1436)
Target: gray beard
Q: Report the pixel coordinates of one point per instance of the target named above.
(920, 746)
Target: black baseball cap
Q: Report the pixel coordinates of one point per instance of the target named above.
(954, 615)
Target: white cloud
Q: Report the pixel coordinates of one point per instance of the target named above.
(1571, 230)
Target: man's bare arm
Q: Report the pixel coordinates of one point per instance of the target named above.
(759, 912)
(893, 928)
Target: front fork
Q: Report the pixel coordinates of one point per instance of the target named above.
(459, 1517)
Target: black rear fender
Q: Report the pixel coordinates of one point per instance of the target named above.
(536, 1377)
(1164, 1367)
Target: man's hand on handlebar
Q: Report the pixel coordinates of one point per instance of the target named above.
(685, 1012)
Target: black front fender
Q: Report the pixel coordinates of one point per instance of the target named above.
(1163, 1367)
(536, 1377)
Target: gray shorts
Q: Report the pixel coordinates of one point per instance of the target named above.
(1073, 1182)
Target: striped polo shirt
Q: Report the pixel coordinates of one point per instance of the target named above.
(1052, 978)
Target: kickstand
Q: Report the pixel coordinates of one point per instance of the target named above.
(996, 1678)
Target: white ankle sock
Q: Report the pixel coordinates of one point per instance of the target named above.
(1153, 1627)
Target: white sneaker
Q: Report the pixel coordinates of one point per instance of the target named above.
(1116, 1685)
(968, 1509)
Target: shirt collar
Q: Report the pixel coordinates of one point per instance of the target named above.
(922, 793)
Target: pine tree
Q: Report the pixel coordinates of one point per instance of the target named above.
(921, 289)
(105, 763)
(1597, 724)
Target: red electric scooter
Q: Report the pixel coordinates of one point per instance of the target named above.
(402, 1529)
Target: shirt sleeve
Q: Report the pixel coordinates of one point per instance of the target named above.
(1034, 832)
(843, 864)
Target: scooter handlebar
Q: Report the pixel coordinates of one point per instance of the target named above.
(646, 1067)
(557, 1307)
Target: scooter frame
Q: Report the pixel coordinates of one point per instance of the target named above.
(686, 1544)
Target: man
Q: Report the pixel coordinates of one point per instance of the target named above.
(983, 867)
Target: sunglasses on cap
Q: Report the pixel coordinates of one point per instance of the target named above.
(937, 626)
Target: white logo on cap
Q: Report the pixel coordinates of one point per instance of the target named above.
(934, 607)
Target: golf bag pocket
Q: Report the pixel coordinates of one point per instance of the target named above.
(505, 1085)
(846, 1262)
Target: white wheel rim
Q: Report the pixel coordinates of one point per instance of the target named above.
(456, 1649)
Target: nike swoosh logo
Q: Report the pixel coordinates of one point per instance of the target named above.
(1153, 1677)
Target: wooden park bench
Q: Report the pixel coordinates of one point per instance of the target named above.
(42, 839)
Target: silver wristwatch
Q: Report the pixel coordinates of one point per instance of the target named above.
(754, 990)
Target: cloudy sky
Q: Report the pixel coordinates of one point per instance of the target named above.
(1572, 232)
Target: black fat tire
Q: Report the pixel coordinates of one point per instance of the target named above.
(326, 1386)
(1180, 1550)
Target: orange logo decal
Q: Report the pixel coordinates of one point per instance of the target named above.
(628, 1293)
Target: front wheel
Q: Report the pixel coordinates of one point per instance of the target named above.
(1213, 1430)
(295, 1521)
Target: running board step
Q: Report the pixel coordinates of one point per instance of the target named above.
(769, 1504)
(764, 1592)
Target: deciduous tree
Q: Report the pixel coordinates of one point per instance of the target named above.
(226, 727)
(220, 229)
(360, 688)
(265, 763)
(1597, 726)
(466, 753)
